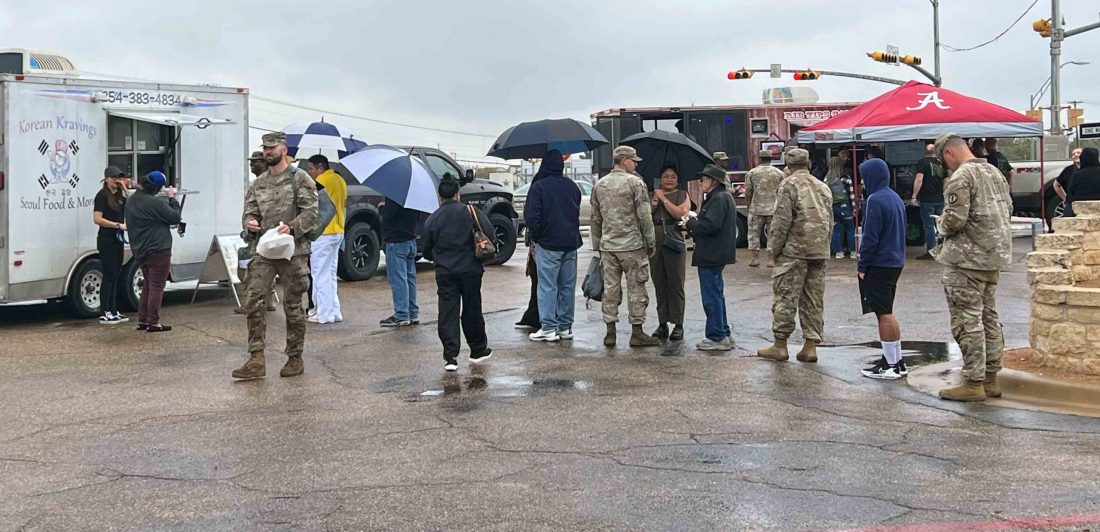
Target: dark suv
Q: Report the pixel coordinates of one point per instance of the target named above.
(362, 228)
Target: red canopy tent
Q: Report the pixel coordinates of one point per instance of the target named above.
(916, 111)
(919, 111)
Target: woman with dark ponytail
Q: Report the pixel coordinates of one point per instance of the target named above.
(108, 212)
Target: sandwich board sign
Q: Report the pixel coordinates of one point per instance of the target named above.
(221, 264)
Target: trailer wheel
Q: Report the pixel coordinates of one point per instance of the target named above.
(130, 287)
(741, 238)
(359, 259)
(82, 300)
(505, 235)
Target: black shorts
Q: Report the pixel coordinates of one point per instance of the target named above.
(877, 289)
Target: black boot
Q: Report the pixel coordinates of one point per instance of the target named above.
(661, 333)
(677, 333)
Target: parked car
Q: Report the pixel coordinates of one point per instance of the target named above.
(362, 236)
(520, 197)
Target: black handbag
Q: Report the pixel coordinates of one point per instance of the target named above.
(672, 242)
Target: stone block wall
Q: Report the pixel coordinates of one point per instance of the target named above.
(1064, 275)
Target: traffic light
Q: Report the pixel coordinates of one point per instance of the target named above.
(883, 57)
(740, 74)
(1076, 116)
(1042, 27)
(1035, 114)
(911, 60)
(807, 75)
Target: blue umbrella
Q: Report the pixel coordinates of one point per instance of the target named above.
(322, 135)
(531, 140)
(396, 175)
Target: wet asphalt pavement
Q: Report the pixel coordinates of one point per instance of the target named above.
(108, 428)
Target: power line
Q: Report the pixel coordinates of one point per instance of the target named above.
(367, 119)
(950, 48)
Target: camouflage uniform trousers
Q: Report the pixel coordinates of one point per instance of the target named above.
(294, 276)
(798, 287)
(757, 223)
(975, 325)
(635, 265)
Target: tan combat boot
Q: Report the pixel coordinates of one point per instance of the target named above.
(771, 260)
(992, 387)
(755, 258)
(254, 368)
(638, 338)
(609, 338)
(293, 367)
(808, 352)
(777, 352)
(968, 391)
(271, 302)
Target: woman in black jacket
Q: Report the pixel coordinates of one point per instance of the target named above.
(714, 231)
(108, 214)
(1085, 183)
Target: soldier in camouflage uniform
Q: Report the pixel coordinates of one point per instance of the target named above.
(800, 234)
(761, 187)
(977, 243)
(283, 197)
(622, 233)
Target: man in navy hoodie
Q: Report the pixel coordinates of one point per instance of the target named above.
(881, 259)
(552, 214)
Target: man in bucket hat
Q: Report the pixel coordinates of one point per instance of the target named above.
(714, 229)
(800, 234)
(622, 233)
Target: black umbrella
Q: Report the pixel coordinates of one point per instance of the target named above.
(531, 140)
(658, 147)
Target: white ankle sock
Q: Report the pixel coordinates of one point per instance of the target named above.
(892, 350)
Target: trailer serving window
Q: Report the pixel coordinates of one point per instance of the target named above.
(139, 142)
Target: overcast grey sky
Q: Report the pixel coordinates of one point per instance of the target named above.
(481, 66)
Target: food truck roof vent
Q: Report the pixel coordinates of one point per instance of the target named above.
(23, 61)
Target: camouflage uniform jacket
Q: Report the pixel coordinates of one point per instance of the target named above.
(621, 215)
(803, 221)
(976, 219)
(270, 200)
(761, 187)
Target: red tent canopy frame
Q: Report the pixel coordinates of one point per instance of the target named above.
(919, 111)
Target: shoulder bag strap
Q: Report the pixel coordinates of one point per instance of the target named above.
(473, 214)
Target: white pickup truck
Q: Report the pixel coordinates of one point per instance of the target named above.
(1030, 193)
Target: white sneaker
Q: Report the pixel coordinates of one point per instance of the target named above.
(450, 366)
(544, 336)
(838, 256)
(108, 319)
(120, 318)
(313, 319)
(566, 334)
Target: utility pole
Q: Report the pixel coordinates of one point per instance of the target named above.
(1055, 70)
(936, 38)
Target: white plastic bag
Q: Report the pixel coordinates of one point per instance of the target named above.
(275, 246)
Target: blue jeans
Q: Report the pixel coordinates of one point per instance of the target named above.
(557, 272)
(844, 229)
(927, 210)
(401, 274)
(713, 291)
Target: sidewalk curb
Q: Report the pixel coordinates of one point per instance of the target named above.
(1025, 391)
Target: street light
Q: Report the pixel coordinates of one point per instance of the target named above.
(1046, 84)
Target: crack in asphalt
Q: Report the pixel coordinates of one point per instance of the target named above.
(210, 335)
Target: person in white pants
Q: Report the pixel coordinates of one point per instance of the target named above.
(326, 249)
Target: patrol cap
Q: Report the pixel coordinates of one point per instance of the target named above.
(256, 156)
(765, 154)
(274, 138)
(797, 156)
(721, 156)
(941, 143)
(626, 152)
(113, 171)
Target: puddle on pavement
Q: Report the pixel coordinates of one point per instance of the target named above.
(504, 386)
(918, 353)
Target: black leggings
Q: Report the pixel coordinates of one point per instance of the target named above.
(110, 253)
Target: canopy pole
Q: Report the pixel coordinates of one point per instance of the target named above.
(855, 207)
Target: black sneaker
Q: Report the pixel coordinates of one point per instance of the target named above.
(877, 366)
(902, 368)
(883, 371)
(450, 366)
(392, 321)
(482, 356)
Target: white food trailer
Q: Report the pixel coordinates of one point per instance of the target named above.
(59, 130)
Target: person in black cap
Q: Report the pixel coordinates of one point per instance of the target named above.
(108, 214)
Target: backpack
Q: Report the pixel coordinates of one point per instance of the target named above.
(326, 210)
(840, 191)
